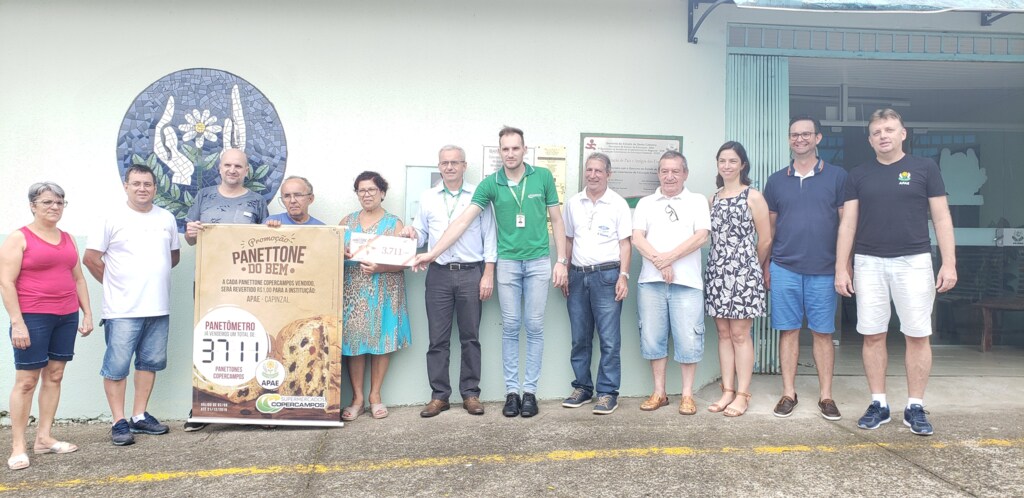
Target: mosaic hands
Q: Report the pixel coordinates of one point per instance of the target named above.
(165, 139)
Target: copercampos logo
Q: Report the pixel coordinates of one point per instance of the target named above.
(268, 403)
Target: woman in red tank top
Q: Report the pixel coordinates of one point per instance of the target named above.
(43, 288)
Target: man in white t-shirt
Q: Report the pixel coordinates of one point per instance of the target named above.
(669, 228)
(131, 253)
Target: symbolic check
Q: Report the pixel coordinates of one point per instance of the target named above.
(382, 249)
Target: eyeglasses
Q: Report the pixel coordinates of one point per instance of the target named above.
(445, 164)
(806, 135)
(142, 184)
(672, 215)
(49, 203)
(288, 197)
(367, 191)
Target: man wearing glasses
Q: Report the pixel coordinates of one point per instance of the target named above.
(296, 196)
(523, 198)
(131, 253)
(597, 232)
(805, 202)
(458, 281)
(669, 228)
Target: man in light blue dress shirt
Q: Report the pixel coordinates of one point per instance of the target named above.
(457, 282)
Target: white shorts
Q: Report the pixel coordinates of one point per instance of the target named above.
(907, 280)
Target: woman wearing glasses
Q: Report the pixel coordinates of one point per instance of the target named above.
(43, 288)
(376, 320)
(735, 291)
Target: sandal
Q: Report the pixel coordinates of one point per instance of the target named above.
(715, 407)
(60, 447)
(378, 410)
(352, 412)
(654, 402)
(732, 412)
(687, 406)
(18, 462)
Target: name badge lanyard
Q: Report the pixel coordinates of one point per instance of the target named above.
(520, 218)
(451, 209)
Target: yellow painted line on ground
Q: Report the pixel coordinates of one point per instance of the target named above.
(494, 459)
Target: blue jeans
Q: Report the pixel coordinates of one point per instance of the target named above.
(671, 309)
(522, 294)
(592, 302)
(143, 337)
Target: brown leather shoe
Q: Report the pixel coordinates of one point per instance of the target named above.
(435, 407)
(473, 405)
(829, 410)
(784, 407)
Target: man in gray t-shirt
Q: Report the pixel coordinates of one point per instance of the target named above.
(229, 202)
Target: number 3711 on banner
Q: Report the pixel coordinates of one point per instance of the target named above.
(382, 249)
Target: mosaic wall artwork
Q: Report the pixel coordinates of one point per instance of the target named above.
(179, 125)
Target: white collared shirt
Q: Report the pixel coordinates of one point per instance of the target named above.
(478, 243)
(666, 228)
(597, 227)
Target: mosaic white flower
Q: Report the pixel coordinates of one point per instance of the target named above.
(200, 127)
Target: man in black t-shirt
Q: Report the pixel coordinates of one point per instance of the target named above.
(885, 226)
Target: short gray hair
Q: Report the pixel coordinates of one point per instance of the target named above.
(672, 154)
(302, 178)
(453, 147)
(37, 189)
(600, 156)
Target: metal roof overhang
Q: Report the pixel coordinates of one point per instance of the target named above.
(989, 10)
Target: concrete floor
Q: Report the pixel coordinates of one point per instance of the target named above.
(975, 401)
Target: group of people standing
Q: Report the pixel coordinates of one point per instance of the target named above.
(805, 240)
(796, 238)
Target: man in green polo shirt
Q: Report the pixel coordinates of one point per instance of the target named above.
(523, 199)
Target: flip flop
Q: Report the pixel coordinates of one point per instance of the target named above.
(378, 410)
(18, 462)
(351, 413)
(60, 447)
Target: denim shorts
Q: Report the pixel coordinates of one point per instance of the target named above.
(796, 296)
(674, 309)
(145, 337)
(52, 337)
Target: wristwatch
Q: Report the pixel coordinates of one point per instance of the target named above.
(563, 261)
(624, 274)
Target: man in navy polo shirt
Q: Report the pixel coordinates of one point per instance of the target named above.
(805, 201)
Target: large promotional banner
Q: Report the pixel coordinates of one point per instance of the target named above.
(267, 336)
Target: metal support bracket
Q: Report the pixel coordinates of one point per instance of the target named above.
(988, 18)
(691, 10)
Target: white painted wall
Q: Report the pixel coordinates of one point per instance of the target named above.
(367, 85)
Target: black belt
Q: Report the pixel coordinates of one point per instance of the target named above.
(600, 267)
(456, 266)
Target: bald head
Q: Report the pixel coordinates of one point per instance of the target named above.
(234, 166)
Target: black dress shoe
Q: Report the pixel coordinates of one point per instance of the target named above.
(512, 405)
(529, 405)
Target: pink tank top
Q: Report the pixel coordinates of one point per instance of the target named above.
(45, 284)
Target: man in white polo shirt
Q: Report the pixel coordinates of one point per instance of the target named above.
(669, 228)
(597, 232)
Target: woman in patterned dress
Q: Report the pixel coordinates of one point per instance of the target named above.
(735, 289)
(376, 321)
